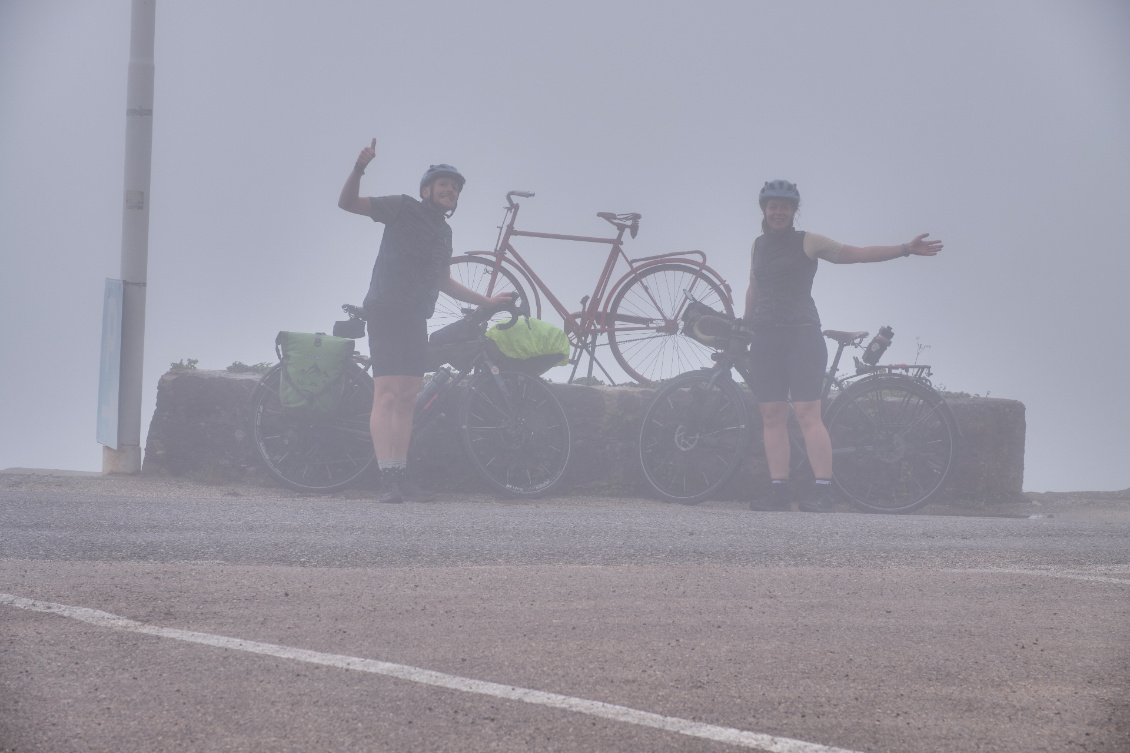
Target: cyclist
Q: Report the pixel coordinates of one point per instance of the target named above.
(411, 270)
(788, 353)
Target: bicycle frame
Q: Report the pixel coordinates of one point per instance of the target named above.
(739, 361)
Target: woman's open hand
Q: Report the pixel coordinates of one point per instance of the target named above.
(922, 247)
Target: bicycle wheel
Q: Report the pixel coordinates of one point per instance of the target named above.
(644, 325)
(693, 437)
(474, 272)
(314, 454)
(516, 433)
(892, 444)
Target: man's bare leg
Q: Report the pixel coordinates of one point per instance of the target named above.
(390, 423)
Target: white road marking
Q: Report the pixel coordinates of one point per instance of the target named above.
(1048, 573)
(729, 735)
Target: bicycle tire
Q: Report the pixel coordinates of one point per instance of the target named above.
(893, 444)
(519, 442)
(693, 437)
(474, 272)
(320, 455)
(645, 331)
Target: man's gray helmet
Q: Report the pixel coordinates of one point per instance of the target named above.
(778, 189)
(440, 171)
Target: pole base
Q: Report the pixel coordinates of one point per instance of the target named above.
(126, 459)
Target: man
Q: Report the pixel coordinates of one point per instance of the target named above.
(412, 268)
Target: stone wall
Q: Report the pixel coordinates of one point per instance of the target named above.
(201, 429)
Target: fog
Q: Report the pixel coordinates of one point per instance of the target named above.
(999, 127)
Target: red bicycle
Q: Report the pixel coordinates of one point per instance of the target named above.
(639, 312)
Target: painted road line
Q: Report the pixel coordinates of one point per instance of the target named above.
(1046, 573)
(624, 714)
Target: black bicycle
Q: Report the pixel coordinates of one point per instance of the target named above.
(893, 435)
(511, 425)
(315, 453)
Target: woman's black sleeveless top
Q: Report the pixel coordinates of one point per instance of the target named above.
(783, 275)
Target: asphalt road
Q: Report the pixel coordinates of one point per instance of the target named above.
(148, 615)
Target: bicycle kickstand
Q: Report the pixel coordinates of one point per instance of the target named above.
(589, 347)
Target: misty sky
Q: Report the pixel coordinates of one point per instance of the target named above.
(999, 127)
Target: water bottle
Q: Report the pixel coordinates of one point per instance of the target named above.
(878, 346)
(440, 378)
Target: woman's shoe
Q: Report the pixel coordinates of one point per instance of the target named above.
(777, 500)
(826, 502)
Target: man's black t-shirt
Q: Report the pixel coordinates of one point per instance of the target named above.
(413, 258)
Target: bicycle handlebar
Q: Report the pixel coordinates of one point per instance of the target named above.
(516, 306)
(519, 194)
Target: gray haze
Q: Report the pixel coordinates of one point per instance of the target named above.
(999, 127)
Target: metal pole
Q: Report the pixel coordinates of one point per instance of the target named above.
(126, 458)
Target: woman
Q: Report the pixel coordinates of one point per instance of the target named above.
(788, 351)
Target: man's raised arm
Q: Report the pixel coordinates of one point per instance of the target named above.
(350, 199)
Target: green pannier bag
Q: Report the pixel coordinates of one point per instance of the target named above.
(531, 345)
(313, 371)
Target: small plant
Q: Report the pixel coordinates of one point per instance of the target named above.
(920, 347)
(949, 394)
(956, 394)
(182, 366)
(239, 367)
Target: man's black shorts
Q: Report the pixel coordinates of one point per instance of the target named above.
(788, 363)
(398, 342)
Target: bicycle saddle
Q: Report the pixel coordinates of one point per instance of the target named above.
(355, 312)
(845, 338)
(630, 221)
(620, 219)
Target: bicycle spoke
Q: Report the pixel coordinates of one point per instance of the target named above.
(657, 350)
(311, 455)
(524, 453)
(692, 438)
(892, 444)
(475, 272)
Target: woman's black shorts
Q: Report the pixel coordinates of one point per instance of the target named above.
(398, 342)
(788, 363)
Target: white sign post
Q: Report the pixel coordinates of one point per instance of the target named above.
(124, 455)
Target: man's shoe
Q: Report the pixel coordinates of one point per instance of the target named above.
(390, 486)
(777, 500)
(826, 502)
(413, 493)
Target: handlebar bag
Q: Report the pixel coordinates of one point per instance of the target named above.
(709, 327)
(460, 331)
(456, 344)
(537, 346)
(313, 371)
